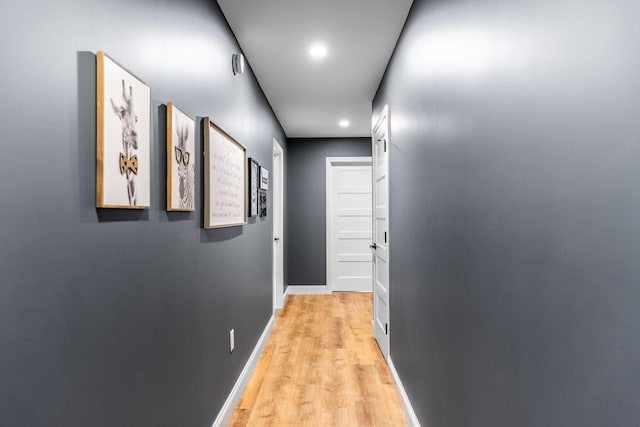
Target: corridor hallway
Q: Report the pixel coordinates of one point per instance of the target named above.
(322, 367)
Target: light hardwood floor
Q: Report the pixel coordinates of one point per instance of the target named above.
(322, 367)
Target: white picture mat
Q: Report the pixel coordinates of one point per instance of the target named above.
(226, 176)
(179, 119)
(114, 184)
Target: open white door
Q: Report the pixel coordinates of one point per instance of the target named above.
(278, 225)
(380, 246)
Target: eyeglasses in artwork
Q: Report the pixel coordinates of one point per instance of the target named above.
(182, 156)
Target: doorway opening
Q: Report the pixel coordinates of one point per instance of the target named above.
(349, 224)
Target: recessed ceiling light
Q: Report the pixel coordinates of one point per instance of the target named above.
(344, 123)
(318, 51)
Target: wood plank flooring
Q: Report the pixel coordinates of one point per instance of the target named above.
(322, 367)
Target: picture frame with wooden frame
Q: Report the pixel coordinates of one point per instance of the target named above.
(254, 176)
(123, 137)
(181, 158)
(225, 178)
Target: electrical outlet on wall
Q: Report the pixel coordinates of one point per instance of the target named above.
(232, 340)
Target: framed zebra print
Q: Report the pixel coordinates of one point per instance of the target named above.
(123, 140)
(181, 158)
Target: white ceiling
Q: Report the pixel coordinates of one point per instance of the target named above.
(310, 97)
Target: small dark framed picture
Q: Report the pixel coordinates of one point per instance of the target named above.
(263, 204)
(253, 187)
(264, 178)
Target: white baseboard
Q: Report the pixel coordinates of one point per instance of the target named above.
(286, 295)
(409, 412)
(308, 290)
(226, 413)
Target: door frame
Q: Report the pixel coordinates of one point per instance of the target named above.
(277, 230)
(330, 163)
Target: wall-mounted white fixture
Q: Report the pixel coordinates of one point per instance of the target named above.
(237, 63)
(317, 51)
(344, 123)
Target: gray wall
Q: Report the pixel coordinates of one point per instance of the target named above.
(120, 318)
(515, 201)
(306, 205)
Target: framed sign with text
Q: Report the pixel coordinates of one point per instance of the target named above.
(225, 178)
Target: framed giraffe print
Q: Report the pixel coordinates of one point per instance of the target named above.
(123, 140)
(181, 147)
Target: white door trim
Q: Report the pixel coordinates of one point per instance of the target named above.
(277, 231)
(331, 162)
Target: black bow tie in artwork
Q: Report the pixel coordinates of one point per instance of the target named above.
(128, 164)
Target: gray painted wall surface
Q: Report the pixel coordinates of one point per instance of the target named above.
(515, 204)
(306, 205)
(120, 318)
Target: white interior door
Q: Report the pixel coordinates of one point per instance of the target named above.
(349, 222)
(277, 182)
(380, 148)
